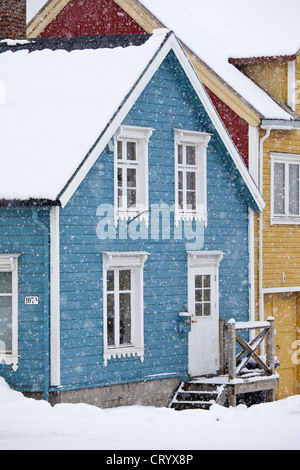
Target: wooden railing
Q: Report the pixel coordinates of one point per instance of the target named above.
(234, 363)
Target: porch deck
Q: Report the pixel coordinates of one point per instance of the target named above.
(238, 375)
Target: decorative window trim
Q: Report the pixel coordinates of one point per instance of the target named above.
(283, 219)
(9, 263)
(200, 140)
(135, 262)
(141, 136)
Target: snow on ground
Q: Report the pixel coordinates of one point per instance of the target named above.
(27, 424)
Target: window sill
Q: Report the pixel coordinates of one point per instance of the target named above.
(285, 220)
(190, 216)
(124, 215)
(113, 353)
(9, 360)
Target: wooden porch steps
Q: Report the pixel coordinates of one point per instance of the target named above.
(195, 395)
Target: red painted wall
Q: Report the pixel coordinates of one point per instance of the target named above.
(91, 18)
(237, 128)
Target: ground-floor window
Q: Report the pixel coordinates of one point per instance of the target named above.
(9, 309)
(123, 304)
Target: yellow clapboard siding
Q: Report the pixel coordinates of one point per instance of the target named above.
(271, 76)
(284, 309)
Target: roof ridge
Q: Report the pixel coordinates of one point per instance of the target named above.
(75, 42)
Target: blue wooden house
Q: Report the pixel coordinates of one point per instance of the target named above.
(124, 220)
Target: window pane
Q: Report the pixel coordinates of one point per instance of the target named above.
(207, 295)
(198, 281)
(190, 155)
(180, 199)
(198, 295)
(125, 280)
(120, 198)
(110, 320)
(125, 319)
(120, 150)
(110, 280)
(131, 151)
(131, 178)
(279, 188)
(131, 198)
(5, 283)
(198, 310)
(180, 154)
(206, 308)
(120, 177)
(6, 324)
(206, 281)
(191, 180)
(294, 189)
(191, 200)
(180, 180)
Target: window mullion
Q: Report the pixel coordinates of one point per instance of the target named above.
(287, 188)
(117, 309)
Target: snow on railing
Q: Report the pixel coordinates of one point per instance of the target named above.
(234, 363)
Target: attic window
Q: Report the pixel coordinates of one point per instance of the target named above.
(190, 175)
(131, 172)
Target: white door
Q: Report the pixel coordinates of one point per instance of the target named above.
(204, 308)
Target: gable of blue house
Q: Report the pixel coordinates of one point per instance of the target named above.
(75, 345)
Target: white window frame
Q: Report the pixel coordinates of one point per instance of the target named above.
(140, 136)
(200, 141)
(9, 263)
(285, 218)
(133, 261)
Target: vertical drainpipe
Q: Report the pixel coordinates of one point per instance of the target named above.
(261, 187)
(46, 304)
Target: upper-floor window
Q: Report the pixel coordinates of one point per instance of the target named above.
(131, 171)
(285, 193)
(9, 309)
(190, 175)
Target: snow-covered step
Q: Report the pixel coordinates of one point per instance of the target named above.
(195, 395)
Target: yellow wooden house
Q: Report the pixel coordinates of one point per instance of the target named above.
(256, 91)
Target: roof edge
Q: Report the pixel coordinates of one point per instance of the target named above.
(169, 43)
(262, 59)
(44, 16)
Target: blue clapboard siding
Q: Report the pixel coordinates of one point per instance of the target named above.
(19, 234)
(168, 102)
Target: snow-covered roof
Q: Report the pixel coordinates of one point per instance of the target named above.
(62, 100)
(217, 30)
(55, 104)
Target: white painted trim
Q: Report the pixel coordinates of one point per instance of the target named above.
(251, 242)
(278, 290)
(285, 158)
(204, 258)
(200, 140)
(170, 44)
(292, 84)
(135, 262)
(141, 136)
(9, 263)
(55, 297)
(253, 134)
(203, 263)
